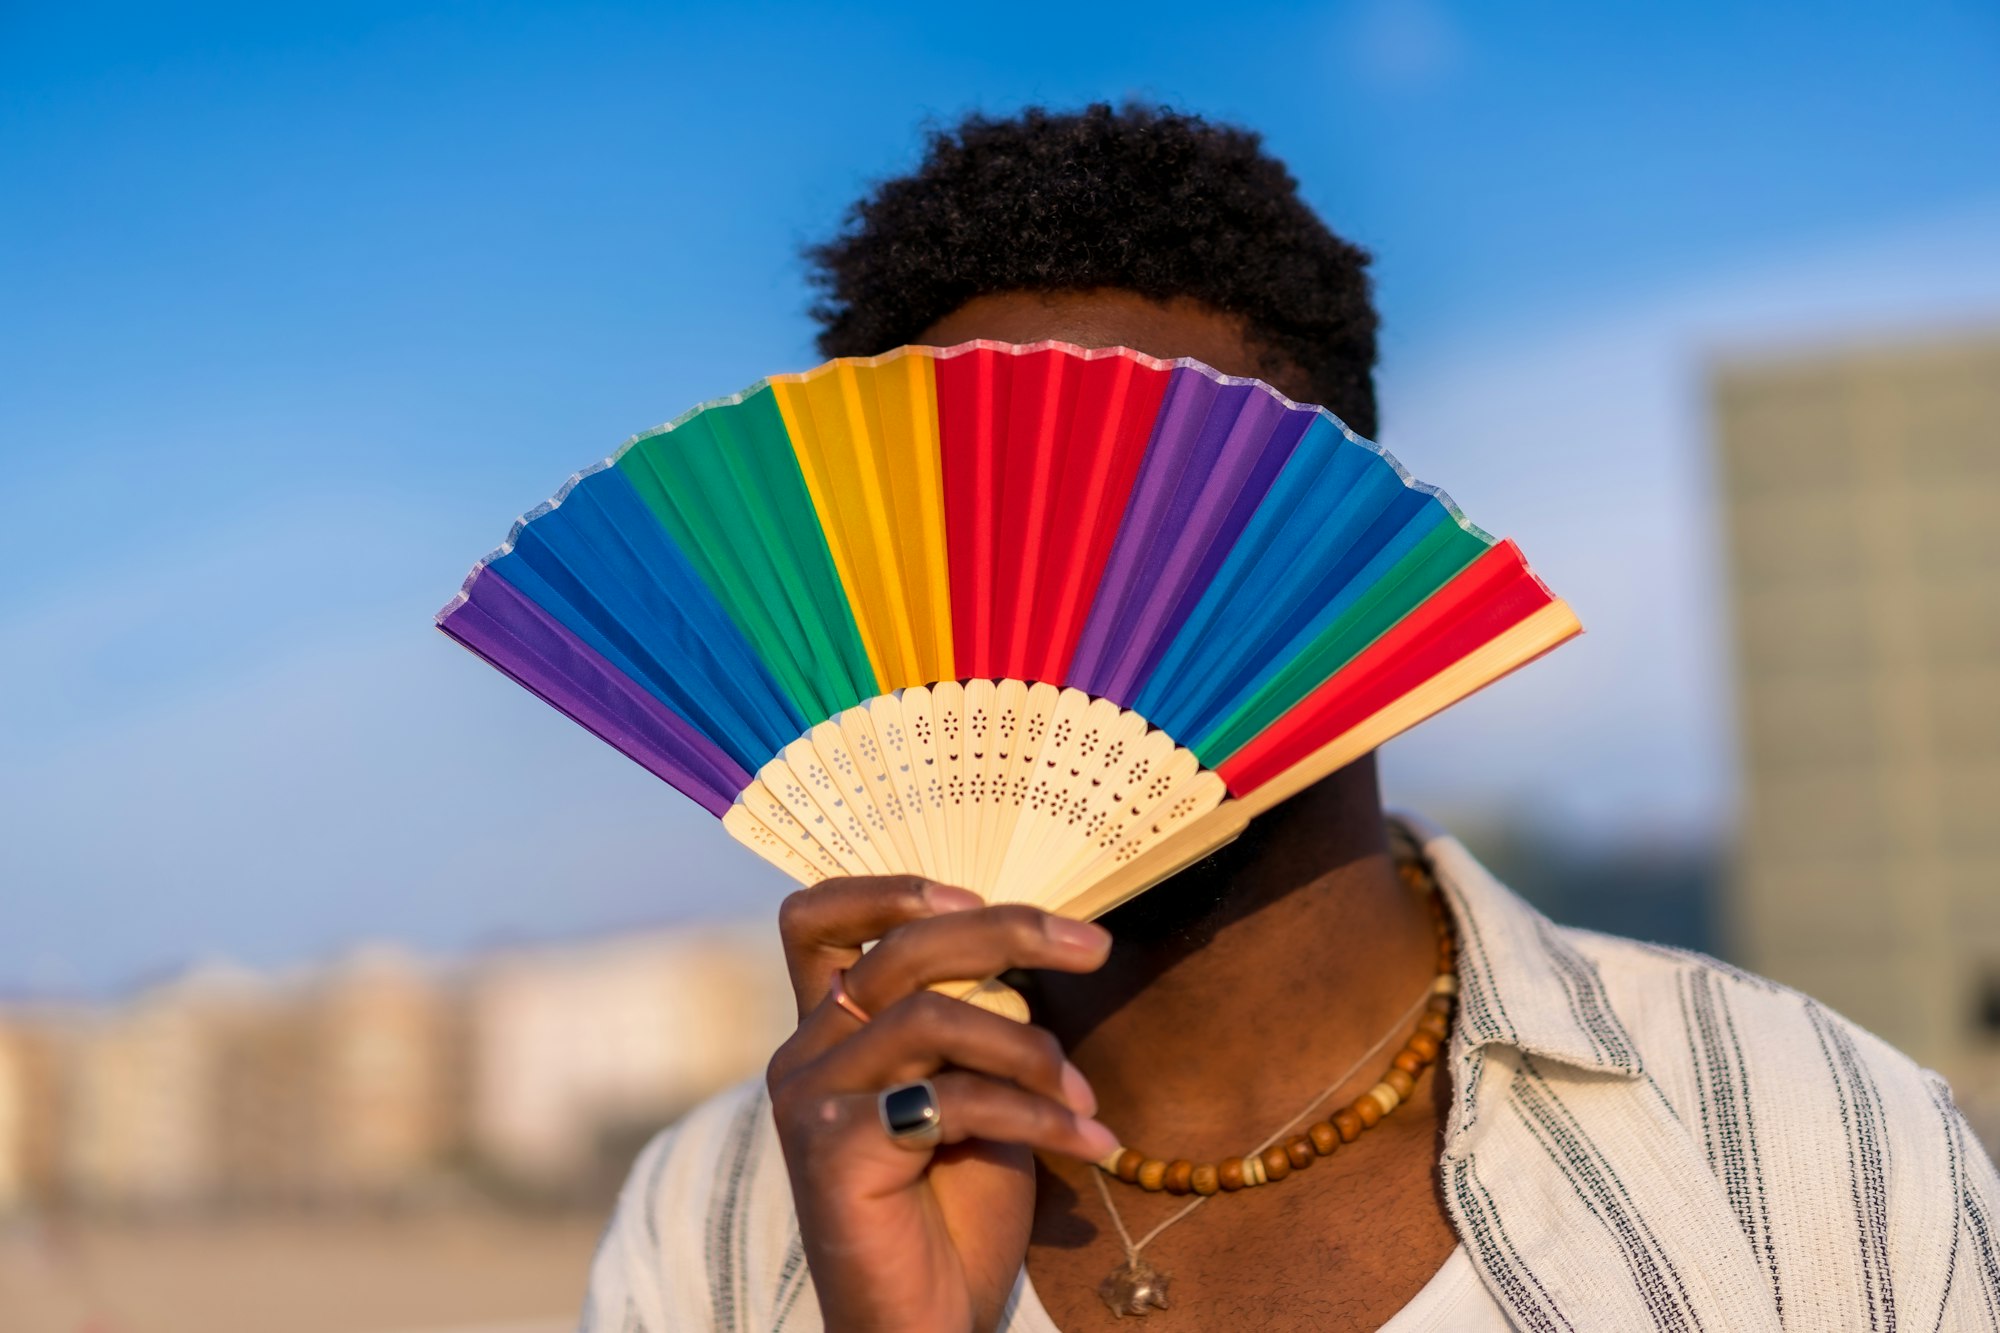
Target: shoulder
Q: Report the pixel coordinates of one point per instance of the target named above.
(703, 1235)
(1697, 1022)
(1827, 1139)
(1694, 1026)
(1733, 1145)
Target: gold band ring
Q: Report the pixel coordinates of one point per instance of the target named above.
(837, 992)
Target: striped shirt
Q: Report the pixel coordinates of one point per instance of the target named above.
(1640, 1138)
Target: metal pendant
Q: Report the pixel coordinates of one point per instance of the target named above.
(1135, 1287)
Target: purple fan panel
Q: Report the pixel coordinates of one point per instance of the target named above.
(1215, 451)
(496, 621)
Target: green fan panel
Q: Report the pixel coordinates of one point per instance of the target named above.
(1429, 565)
(727, 485)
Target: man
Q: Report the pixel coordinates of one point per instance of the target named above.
(1617, 1137)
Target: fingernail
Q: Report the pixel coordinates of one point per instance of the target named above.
(947, 898)
(1078, 934)
(1100, 1141)
(1076, 1091)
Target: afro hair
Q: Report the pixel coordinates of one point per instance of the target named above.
(1140, 199)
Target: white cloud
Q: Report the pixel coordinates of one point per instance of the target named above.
(1403, 43)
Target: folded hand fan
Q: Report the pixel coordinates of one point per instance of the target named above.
(1047, 623)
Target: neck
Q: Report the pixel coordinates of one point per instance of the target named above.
(1238, 989)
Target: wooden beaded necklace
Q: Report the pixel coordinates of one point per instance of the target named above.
(1136, 1286)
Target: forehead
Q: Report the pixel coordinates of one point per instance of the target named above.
(1115, 319)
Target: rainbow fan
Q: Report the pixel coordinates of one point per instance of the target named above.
(1048, 623)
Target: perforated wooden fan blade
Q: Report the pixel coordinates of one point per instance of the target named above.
(1018, 792)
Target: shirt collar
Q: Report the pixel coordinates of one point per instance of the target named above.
(1521, 981)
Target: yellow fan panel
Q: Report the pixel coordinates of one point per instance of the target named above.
(866, 437)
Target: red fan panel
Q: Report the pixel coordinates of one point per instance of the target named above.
(1039, 451)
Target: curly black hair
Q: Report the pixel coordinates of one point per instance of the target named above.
(1139, 198)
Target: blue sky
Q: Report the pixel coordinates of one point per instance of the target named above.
(299, 305)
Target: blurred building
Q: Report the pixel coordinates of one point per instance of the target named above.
(388, 1077)
(580, 1054)
(29, 1112)
(1862, 494)
(139, 1091)
(381, 1078)
(335, 1084)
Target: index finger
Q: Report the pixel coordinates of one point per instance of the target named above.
(824, 927)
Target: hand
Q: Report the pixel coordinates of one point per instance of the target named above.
(929, 1241)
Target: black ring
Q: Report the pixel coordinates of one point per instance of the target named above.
(910, 1115)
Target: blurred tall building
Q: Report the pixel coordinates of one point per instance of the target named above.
(1862, 493)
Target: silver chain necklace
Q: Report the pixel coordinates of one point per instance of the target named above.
(1137, 1287)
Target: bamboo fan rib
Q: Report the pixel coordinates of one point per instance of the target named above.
(1048, 623)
